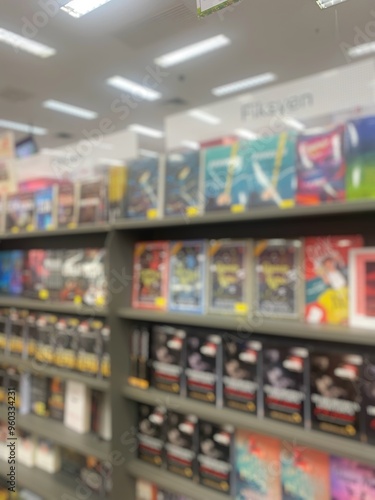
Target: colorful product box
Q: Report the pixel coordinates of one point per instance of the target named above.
(89, 347)
(67, 205)
(151, 431)
(143, 196)
(45, 207)
(92, 201)
(351, 480)
(117, 184)
(20, 213)
(368, 394)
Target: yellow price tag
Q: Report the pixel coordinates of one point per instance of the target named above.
(287, 204)
(237, 209)
(192, 211)
(139, 383)
(43, 294)
(72, 225)
(160, 301)
(100, 301)
(78, 300)
(241, 308)
(152, 213)
(30, 227)
(50, 227)
(15, 229)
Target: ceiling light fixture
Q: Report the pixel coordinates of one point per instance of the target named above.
(204, 117)
(25, 44)
(148, 153)
(246, 134)
(150, 132)
(192, 51)
(248, 83)
(324, 4)
(361, 50)
(133, 88)
(68, 109)
(23, 127)
(293, 123)
(79, 8)
(191, 144)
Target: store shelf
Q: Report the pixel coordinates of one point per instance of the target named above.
(243, 325)
(314, 439)
(56, 307)
(48, 486)
(51, 371)
(259, 213)
(89, 229)
(172, 482)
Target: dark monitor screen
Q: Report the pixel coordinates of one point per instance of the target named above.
(26, 147)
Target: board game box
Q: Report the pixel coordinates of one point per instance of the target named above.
(272, 163)
(351, 480)
(183, 187)
(143, 195)
(227, 179)
(45, 207)
(368, 395)
(360, 157)
(67, 205)
(278, 278)
(241, 374)
(151, 434)
(187, 276)
(321, 167)
(229, 272)
(20, 212)
(362, 287)
(257, 460)
(335, 380)
(150, 275)
(285, 383)
(11, 272)
(92, 201)
(305, 473)
(326, 278)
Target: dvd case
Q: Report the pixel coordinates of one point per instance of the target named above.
(187, 276)
(229, 272)
(67, 205)
(92, 201)
(20, 212)
(143, 198)
(150, 275)
(45, 207)
(278, 278)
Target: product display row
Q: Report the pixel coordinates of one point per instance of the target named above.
(77, 276)
(311, 385)
(321, 279)
(148, 491)
(66, 342)
(245, 464)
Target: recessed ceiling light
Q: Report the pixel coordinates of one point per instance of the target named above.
(191, 144)
(293, 123)
(248, 83)
(112, 162)
(246, 134)
(362, 50)
(23, 127)
(148, 153)
(25, 44)
(191, 51)
(79, 8)
(204, 117)
(324, 4)
(68, 109)
(134, 88)
(150, 132)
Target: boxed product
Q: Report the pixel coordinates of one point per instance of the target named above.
(40, 395)
(72, 462)
(17, 342)
(285, 384)
(140, 357)
(26, 447)
(229, 273)
(105, 362)
(181, 444)
(168, 359)
(272, 163)
(326, 278)
(241, 375)
(182, 184)
(143, 196)
(216, 456)
(47, 456)
(66, 205)
(187, 276)
(56, 398)
(360, 157)
(204, 367)
(151, 433)
(150, 275)
(20, 212)
(36, 272)
(305, 473)
(335, 380)
(13, 379)
(66, 343)
(145, 490)
(278, 283)
(321, 167)
(77, 407)
(97, 476)
(11, 272)
(3, 385)
(45, 350)
(362, 287)
(45, 208)
(4, 329)
(117, 182)
(25, 393)
(50, 275)
(227, 179)
(92, 201)
(351, 480)
(31, 334)
(368, 395)
(257, 461)
(89, 347)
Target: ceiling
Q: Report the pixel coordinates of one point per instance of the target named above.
(292, 38)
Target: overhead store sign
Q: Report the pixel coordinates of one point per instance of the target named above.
(206, 7)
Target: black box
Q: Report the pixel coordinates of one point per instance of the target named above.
(168, 359)
(45, 350)
(105, 362)
(31, 334)
(89, 347)
(368, 394)
(139, 374)
(335, 379)
(204, 367)
(66, 343)
(241, 374)
(151, 434)
(285, 388)
(51, 279)
(56, 399)
(39, 396)
(17, 341)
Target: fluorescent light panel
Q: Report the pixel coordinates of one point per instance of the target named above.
(148, 153)
(134, 88)
(191, 144)
(23, 127)
(25, 44)
(248, 83)
(293, 123)
(246, 134)
(79, 8)
(324, 4)
(192, 51)
(204, 117)
(150, 132)
(68, 109)
(361, 50)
